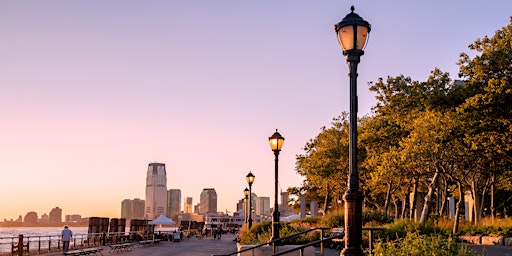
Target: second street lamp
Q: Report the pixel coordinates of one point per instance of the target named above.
(246, 194)
(250, 179)
(276, 143)
(352, 34)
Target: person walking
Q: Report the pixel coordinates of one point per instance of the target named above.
(66, 235)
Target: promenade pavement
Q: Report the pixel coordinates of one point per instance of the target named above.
(225, 245)
(197, 247)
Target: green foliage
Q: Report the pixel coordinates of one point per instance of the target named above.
(260, 232)
(400, 228)
(416, 244)
(501, 227)
(375, 218)
(333, 220)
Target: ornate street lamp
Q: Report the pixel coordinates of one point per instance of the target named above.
(246, 194)
(352, 34)
(250, 179)
(276, 143)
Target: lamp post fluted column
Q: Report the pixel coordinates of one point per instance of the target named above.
(352, 34)
(246, 209)
(276, 143)
(250, 179)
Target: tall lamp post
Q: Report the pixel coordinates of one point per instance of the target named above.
(246, 194)
(250, 179)
(352, 34)
(276, 143)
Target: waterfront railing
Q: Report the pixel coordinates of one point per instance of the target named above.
(38, 244)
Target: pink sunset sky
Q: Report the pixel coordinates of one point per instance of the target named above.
(93, 91)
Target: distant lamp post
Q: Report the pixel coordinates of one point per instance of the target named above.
(250, 179)
(352, 34)
(246, 194)
(276, 143)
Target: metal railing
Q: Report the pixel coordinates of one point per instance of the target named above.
(301, 248)
(277, 242)
(38, 244)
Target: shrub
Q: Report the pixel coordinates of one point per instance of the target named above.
(415, 244)
(400, 228)
(333, 220)
(375, 218)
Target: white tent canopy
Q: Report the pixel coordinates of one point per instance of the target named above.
(162, 220)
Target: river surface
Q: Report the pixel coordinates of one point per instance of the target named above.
(35, 235)
(43, 236)
(37, 231)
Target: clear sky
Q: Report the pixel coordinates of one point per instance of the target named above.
(93, 91)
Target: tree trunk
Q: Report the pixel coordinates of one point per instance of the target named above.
(388, 196)
(482, 200)
(457, 209)
(412, 200)
(476, 199)
(428, 199)
(492, 194)
(326, 200)
(443, 197)
(404, 203)
(396, 209)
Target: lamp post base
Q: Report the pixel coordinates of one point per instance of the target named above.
(353, 222)
(275, 226)
(352, 252)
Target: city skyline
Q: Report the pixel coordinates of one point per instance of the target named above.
(93, 91)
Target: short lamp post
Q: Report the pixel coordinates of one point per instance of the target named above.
(352, 34)
(276, 143)
(246, 194)
(250, 179)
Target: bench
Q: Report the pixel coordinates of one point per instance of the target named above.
(121, 247)
(145, 243)
(336, 232)
(74, 252)
(86, 251)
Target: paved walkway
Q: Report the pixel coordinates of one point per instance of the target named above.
(492, 250)
(225, 245)
(187, 247)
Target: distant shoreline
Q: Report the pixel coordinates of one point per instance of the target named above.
(14, 224)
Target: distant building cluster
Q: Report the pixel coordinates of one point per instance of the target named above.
(162, 201)
(54, 217)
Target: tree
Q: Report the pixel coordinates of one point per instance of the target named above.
(487, 109)
(325, 163)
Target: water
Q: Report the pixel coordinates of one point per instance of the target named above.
(38, 235)
(37, 231)
(44, 237)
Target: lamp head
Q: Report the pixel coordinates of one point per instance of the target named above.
(250, 178)
(352, 33)
(276, 141)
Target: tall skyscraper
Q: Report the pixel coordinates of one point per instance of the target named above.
(187, 206)
(208, 203)
(173, 203)
(132, 209)
(156, 191)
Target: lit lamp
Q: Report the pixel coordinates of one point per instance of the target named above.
(352, 34)
(276, 143)
(246, 194)
(250, 179)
